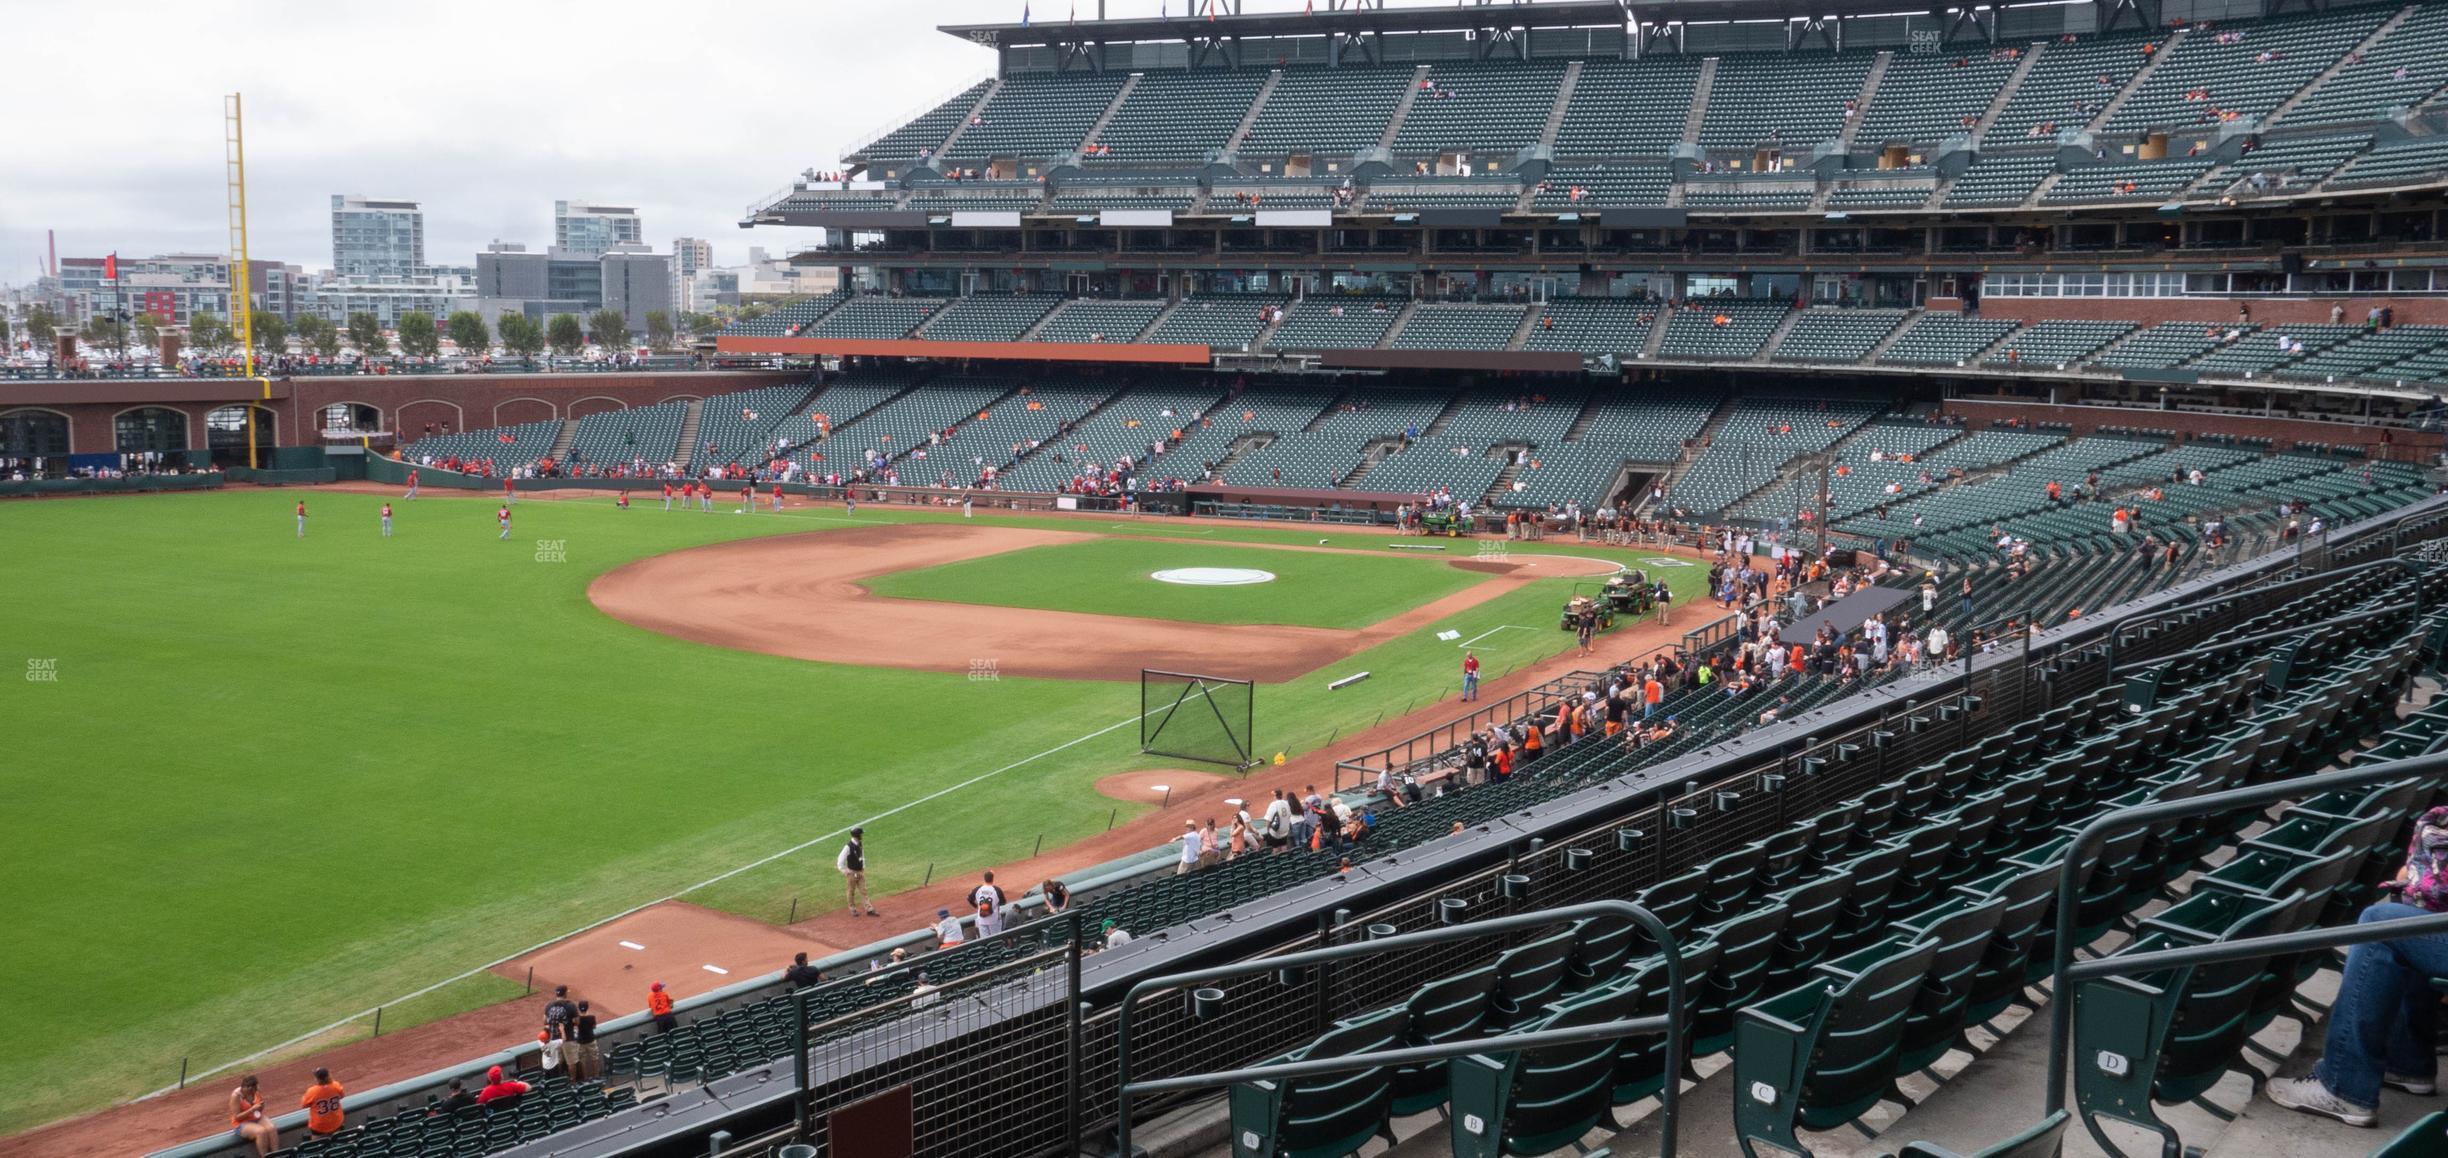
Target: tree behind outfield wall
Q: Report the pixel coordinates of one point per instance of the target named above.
(148, 333)
(41, 327)
(208, 334)
(520, 335)
(701, 325)
(658, 330)
(319, 334)
(106, 334)
(365, 332)
(419, 335)
(271, 334)
(609, 328)
(565, 334)
(468, 332)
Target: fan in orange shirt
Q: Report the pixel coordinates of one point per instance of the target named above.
(322, 1104)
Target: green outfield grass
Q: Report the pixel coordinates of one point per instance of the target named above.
(1115, 577)
(275, 781)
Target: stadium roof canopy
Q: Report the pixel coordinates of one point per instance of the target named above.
(1351, 18)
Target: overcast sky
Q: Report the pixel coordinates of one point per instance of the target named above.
(485, 112)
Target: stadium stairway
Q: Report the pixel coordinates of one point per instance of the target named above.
(561, 441)
(1861, 106)
(1401, 321)
(689, 424)
(976, 112)
(2133, 85)
(1258, 105)
(1657, 331)
(1555, 114)
(1776, 337)
(1701, 86)
(1402, 108)
(2341, 64)
(1879, 350)
(2006, 92)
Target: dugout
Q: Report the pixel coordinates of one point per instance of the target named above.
(1321, 504)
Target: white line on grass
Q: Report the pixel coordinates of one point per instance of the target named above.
(709, 881)
(1493, 630)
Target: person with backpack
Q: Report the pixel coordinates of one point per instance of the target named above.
(1278, 831)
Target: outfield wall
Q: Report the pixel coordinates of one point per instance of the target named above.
(404, 402)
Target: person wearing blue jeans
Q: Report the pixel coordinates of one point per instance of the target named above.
(2382, 1029)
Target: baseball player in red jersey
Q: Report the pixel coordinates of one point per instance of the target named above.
(504, 515)
(301, 518)
(386, 522)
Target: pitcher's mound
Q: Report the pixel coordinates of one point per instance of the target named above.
(1140, 787)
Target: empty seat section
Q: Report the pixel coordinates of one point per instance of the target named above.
(1492, 109)
(1882, 194)
(1176, 118)
(2167, 345)
(1329, 113)
(1722, 329)
(1756, 193)
(2069, 85)
(2415, 161)
(1601, 187)
(1335, 322)
(1036, 118)
(1130, 427)
(2408, 65)
(1439, 326)
(1087, 320)
(989, 317)
(1226, 321)
(1925, 98)
(1594, 326)
(1793, 100)
(1943, 340)
(505, 447)
(1836, 335)
(2056, 343)
(2243, 71)
(2000, 179)
(876, 317)
(647, 434)
(787, 319)
(2280, 167)
(1754, 442)
(1628, 108)
(2138, 180)
(921, 137)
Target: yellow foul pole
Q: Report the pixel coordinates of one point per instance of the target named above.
(242, 284)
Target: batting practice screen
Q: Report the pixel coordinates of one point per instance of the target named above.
(1197, 717)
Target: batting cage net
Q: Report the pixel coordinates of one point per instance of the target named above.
(1197, 717)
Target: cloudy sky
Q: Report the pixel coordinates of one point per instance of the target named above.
(486, 112)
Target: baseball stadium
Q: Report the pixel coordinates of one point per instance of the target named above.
(1552, 577)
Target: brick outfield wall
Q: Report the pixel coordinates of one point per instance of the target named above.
(2379, 441)
(406, 404)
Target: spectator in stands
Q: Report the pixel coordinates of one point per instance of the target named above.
(453, 1102)
(579, 1055)
(247, 1117)
(1188, 862)
(324, 1115)
(559, 1013)
(801, 975)
(2385, 1023)
(988, 892)
(1278, 823)
(1115, 935)
(501, 1091)
(659, 1006)
(1056, 894)
(947, 929)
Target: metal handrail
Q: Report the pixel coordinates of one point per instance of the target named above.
(1672, 1027)
(1444, 737)
(2075, 869)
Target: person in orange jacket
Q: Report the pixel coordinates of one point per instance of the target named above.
(659, 1004)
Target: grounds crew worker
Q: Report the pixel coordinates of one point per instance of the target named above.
(852, 864)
